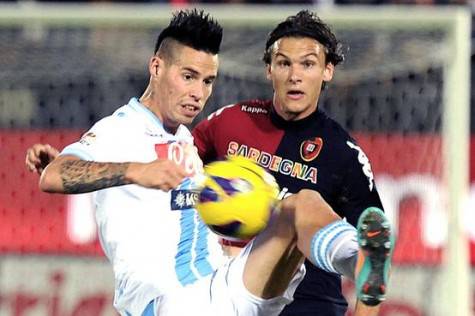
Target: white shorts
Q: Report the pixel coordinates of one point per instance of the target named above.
(223, 294)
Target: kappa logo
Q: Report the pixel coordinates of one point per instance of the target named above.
(310, 148)
(253, 109)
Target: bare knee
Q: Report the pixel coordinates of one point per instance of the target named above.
(311, 199)
(308, 207)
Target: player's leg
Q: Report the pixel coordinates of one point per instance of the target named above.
(276, 252)
(361, 254)
(274, 259)
(307, 223)
(229, 295)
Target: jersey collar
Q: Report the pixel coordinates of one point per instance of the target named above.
(280, 122)
(144, 111)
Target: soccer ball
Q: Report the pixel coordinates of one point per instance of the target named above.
(237, 198)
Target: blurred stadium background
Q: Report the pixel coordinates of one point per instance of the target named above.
(64, 67)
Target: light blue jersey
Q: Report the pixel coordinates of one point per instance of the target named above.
(155, 240)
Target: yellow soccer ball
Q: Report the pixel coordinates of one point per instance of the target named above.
(237, 198)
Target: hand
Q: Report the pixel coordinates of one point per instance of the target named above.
(159, 174)
(39, 156)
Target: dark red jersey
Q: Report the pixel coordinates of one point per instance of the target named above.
(313, 153)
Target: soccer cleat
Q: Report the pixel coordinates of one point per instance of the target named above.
(374, 257)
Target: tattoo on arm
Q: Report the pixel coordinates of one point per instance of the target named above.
(81, 176)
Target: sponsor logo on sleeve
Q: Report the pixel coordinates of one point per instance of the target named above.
(88, 138)
(364, 161)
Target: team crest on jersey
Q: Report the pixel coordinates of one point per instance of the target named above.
(310, 148)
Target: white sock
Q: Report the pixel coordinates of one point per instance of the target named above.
(334, 248)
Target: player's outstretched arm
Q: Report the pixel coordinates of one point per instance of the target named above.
(39, 156)
(69, 174)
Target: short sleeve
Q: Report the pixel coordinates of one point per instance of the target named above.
(101, 142)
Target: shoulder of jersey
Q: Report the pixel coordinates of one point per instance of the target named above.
(335, 129)
(341, 139)
(248, 107)
(120, 121)
(255, 106)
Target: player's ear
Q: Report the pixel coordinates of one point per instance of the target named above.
(328, 72)
(268, 71)
(154, 65)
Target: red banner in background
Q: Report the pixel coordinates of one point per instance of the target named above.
(407, 170)
(32, 221)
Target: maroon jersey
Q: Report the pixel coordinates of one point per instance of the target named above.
(312, 153)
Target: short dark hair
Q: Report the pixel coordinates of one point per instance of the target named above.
(306, 24)
(195, 29)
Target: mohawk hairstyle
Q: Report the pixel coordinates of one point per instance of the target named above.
(306, 24)
(195, 29)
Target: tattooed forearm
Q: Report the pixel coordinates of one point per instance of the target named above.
(80, 176)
